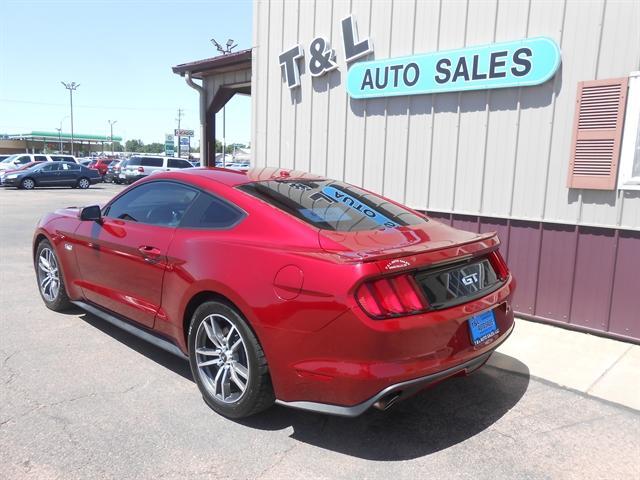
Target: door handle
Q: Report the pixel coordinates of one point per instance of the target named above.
(149, 253)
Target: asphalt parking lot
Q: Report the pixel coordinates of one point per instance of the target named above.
(81, 399)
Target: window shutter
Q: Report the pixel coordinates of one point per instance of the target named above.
(597, 133)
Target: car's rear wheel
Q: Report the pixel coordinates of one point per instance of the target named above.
(50, 282)
(28, 184)
(84, 183)
(227, 362)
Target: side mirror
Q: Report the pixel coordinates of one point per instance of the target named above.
(91, 213)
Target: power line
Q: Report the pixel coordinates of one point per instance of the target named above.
(109, 107)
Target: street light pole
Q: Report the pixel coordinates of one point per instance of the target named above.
(111, 124)
(60, 138)
(71, 86)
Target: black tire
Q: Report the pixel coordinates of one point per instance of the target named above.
(83, 183)
(60, 301)
(28, 184)
(258, 394)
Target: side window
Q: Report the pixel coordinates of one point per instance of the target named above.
(40, 158)
(24, 159)
(151, 162)
(177, 163)
(154, 203)
(211, 212)
(74, 167)
(56, 158)
(50, 167)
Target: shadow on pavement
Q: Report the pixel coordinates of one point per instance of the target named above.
(433, 420)
(166, 359)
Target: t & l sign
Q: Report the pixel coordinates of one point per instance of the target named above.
(520, 63)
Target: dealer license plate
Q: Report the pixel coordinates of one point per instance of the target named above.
(482, 327)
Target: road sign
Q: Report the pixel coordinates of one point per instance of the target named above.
(183, 133)
(168, 144)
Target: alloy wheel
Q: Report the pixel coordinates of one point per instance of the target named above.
(83, 183)
(28, 184)
(48, 275)
(221, 358)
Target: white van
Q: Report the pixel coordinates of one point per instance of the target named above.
(19, 159)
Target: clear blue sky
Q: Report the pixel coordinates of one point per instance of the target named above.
(121, 53)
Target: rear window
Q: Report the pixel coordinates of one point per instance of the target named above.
(332, 205)
(62, 158)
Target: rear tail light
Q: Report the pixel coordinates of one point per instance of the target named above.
(499, 265)
(141, 169)
(391, 297)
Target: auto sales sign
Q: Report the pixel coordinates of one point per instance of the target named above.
(520, 63)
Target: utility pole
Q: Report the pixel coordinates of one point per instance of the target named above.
(224, 138)
(71, 86)
(180, 115)
(111, 124)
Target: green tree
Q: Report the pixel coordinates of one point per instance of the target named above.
(134, 145)
(153, 148)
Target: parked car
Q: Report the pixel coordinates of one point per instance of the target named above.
(19, 159)
(113, 170)
(282, 286)
(52, 174)
(85, 161)
(101, 165)
(2, 157)
(4, 173)
(140, 166)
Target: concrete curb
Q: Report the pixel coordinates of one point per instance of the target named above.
(599, 367)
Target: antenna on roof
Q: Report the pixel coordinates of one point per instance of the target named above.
(226, 48)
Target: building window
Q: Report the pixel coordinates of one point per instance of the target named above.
(629, 178)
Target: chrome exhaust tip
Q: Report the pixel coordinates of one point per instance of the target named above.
(388, 401)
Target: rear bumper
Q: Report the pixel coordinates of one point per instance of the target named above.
(398, 391)
(354, 361)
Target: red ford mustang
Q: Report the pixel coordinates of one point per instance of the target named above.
(282, 286)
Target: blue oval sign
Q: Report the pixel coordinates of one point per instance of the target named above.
(521, 63)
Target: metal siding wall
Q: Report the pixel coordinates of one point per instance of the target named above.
(555, 272)
(355, 146)
(275, 86)
(338, 101)
(319, 94)
(593, 279)
(397, 115)
(376, 109)
(473, 117)
(500, 153)
(625, 303)
(579, 52)
(502, 129)
(453, 18)
(420, 134)
(620, 27)
(304, 107)
(536, 121)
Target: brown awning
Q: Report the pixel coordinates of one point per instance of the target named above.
(221, 63)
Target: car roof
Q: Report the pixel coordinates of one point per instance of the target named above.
(233, 178)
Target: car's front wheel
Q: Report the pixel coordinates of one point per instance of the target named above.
(50, 281)
(28, 184)
(227, 362)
